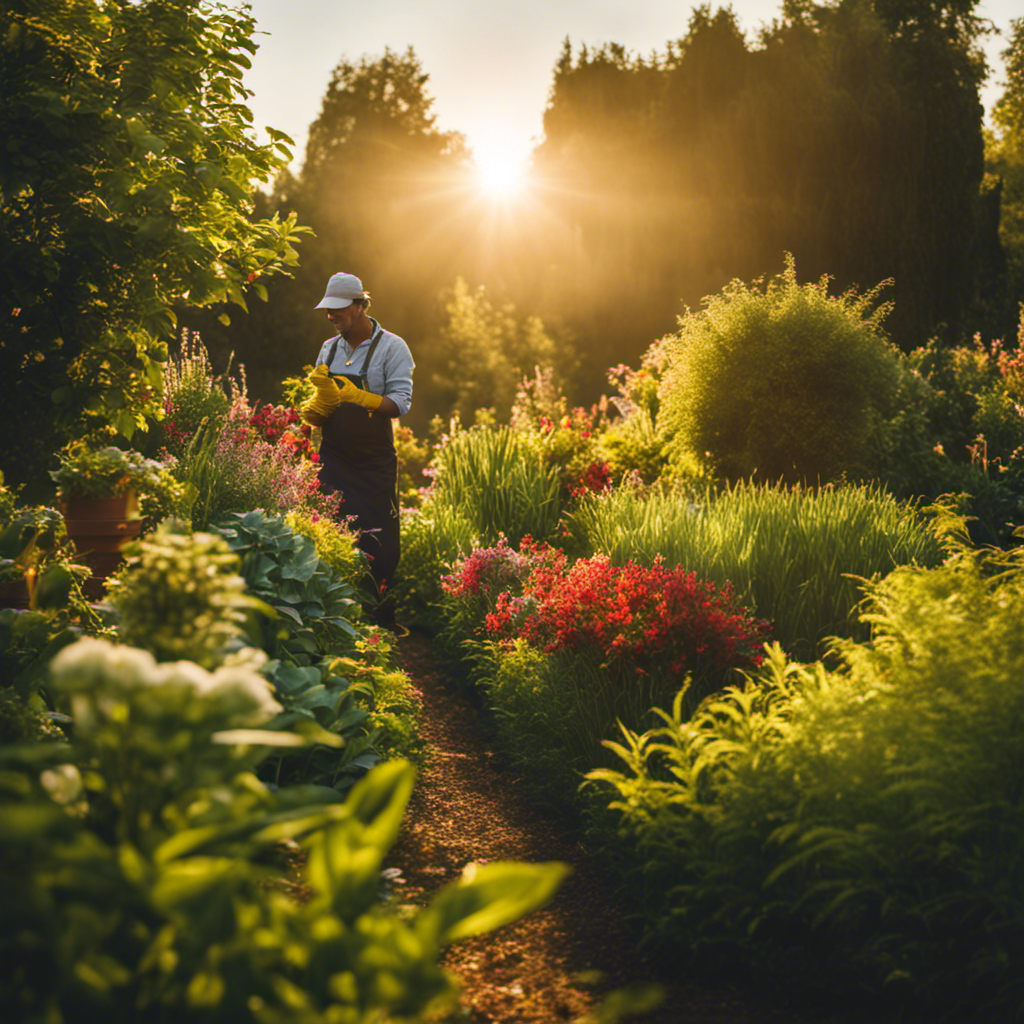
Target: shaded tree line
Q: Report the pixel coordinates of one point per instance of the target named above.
(848, 134)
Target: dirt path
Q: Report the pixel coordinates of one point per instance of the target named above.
(470, 806)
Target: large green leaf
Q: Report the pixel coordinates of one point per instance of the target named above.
(488, 896)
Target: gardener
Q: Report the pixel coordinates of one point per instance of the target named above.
(363, 380)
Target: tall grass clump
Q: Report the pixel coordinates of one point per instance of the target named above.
(858, 829)
(503, 485)
(783, 381)
(793, 555)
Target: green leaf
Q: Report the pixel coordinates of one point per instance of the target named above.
(488, 896)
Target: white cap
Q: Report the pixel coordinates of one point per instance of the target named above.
(342, 289)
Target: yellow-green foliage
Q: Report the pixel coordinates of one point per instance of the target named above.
(394, 708)
(334, 544)
(860, 827)
(413, 456)
(781, 380)
(633, 445)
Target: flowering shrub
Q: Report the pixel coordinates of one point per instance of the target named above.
(644, 617)
(638, 389)
(480, 579)
(235, 469)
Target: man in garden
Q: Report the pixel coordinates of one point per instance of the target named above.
(363, 380)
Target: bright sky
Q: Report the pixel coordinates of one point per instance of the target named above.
(490, 62)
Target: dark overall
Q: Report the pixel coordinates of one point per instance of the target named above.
(357, 457)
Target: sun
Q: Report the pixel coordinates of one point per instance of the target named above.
(499, 171)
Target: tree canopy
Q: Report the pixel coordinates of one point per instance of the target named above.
(125, 190)
(847, 133)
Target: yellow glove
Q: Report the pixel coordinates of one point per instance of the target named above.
(350, 393)
(325, 401)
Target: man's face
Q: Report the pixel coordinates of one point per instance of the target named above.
(343, 319)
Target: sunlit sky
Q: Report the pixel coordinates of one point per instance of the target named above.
(490, 62)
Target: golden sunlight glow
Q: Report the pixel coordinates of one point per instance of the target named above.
(499, 169)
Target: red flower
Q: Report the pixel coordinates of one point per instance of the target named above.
(635, 614)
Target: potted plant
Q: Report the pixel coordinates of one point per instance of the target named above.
(100, 492)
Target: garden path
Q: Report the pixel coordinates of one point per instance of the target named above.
(469, 805)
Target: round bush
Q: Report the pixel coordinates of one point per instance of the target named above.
(781, 381)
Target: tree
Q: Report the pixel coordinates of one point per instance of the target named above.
(1006, 165)
(848, 134)
(126, 189)
(486, 352)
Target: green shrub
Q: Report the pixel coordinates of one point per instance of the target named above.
(334, 544)
(782, 381)
(139, 867)
(543, 707)
(858, 829)
(792, 554)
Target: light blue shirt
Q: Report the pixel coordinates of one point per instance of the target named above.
(390, 371)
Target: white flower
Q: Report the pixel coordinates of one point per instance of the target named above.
(186, 674)
(246, 696)
(251, 658)
(90, 662)
(63, 782)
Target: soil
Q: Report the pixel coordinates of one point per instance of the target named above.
(555, 965)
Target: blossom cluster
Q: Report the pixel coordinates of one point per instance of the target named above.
(271, 422)
(488, 574)
(97, 673)
(641, 615)
(597, 478)
(274, 476)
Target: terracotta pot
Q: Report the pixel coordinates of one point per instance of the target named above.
(99, 528)
(14, 593)
(80, 506)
